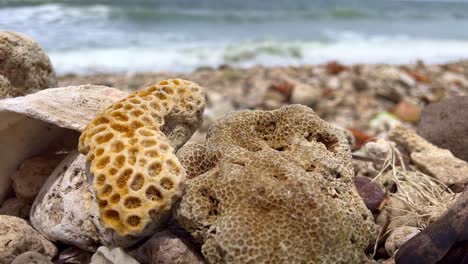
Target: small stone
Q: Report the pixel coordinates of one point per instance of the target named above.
(370, 192)
(73, 255)
(407, 111)
(15, 207)
(17, 237)
(334, 68)
(398, 237)
(31, 257)
(445, 125)
(105, 255)
(28, 179)
(166, 248)
(306, 95)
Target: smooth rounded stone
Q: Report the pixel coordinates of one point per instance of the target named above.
(31, 123)
(306, 95)
(370, 192)
(15, 207)
(24, 63)
(65, 209)
(73, 255)
(445, 125)
(17, 237)
(398, 237)
(31, 257)
(166, 248)
(31, 175)
(105, 255)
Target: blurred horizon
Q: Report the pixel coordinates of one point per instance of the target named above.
(88, 36)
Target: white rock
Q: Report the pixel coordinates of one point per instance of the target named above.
(166, 248)
(105, 255)
(31, 257)
(30, 123)
(17, 237)
(65, 209)
(398, 237)
(15, 207)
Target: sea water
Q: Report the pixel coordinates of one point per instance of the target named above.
(86, 36)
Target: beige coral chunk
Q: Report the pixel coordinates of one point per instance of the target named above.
(130, 146)
(274, 186)
(24, 64)
(437, 162)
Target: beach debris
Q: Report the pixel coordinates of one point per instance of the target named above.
(17, 237)
(407, 111)
(360, 137)
(445, 125)
(130, 147)
(31, 257)
(261, 176)
(370, 192)
(24, 65)
(383, 122)
(305, 94)
(32, 173)
(15, 207)
(398, 237)
(166, 248)
(433, 243)
(30, 124)
(437, 162)
(105, 255)
(335, 68)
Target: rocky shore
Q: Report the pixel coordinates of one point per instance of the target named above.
(314, 164)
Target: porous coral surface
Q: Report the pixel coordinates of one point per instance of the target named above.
(274, 187)
(137, 176)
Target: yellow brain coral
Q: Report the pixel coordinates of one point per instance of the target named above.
(130, 147)
(274, 187)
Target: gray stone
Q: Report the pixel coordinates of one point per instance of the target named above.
(17, 237)
(15, 207)
(105, 255)
(166, 248)
(31, 257)
(445, 124)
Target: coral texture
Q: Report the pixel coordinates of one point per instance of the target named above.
(130, 145)
(274, 187)
(24, 64)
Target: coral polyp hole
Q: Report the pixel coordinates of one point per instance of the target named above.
(151, 154)
(106, 190)
(133, 220)
(137, 182)
(153, 194)
(176, 82)
(100, 120)
(102, 163)
(120, 116)
(136, 113)
(100, 180)
(132, 202)
(117, 146)
(123, 178)
(104, 138)
(148, 143)
(115, 198)
(112, 215)
(166, 183)
(154, 169)
(119, 161)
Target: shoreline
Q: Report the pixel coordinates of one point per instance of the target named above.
(357, 97)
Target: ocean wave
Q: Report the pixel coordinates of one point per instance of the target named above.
(350, 48)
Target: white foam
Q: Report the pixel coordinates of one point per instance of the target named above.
(346, 47)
